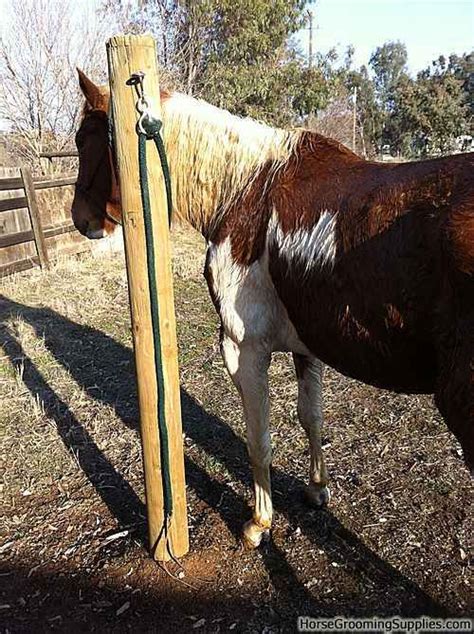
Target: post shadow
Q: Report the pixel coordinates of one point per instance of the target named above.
(117, 494)
(109, 379)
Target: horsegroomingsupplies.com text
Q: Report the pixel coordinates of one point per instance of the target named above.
(391, 624)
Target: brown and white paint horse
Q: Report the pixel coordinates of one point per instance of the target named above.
(311, 249)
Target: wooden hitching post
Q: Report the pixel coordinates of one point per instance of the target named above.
(126, 55)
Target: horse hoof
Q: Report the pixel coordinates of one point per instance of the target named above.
(317, 495)
(253, 534)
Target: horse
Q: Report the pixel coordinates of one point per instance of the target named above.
(365, 266)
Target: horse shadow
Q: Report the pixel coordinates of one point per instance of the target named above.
(104, 368)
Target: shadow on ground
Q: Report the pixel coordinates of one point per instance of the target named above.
(71, 602)
(104, 369)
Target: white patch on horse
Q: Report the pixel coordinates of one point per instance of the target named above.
(250, 308)
(314, 247)
(255, 323)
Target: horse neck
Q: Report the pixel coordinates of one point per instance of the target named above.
(215, 157)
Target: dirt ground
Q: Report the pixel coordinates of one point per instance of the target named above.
(394, 540)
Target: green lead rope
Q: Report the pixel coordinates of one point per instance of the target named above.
(151, 127)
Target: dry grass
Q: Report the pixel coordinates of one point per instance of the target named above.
(394, 541)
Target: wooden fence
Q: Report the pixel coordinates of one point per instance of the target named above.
(34, 212)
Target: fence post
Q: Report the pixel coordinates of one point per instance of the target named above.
(35, 219)
(126, 55)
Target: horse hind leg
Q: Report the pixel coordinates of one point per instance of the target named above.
(455, 391)
(309, 372)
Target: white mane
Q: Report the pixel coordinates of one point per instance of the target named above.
(214, 156)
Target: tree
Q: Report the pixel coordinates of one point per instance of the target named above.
(237, 54)
(389, 65)
(39, 50)
(429, 113)
(246, 62)
(370, 115)
(461, 67)
(161, 18)
(311, 89)
(193, 42)
(344, 81)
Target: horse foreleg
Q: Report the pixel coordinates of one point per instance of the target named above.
(309, 372)
(248, 367)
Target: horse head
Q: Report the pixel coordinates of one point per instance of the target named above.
(96, 208)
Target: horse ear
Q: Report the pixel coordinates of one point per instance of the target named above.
(92, 93)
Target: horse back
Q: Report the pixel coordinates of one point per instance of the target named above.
(364, 257)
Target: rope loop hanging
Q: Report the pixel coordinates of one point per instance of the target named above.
(148, 128)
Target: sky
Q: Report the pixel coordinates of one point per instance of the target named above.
(427, 27)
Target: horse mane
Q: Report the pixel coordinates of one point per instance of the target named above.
(216, 157)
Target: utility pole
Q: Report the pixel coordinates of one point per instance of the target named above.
(354, 118)
(310, 43)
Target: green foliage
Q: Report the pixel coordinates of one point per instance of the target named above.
(462, 69)
(389, 64)
(370, 114)
(311, 89)
(429, 114)
(413, 117)
(237, 55)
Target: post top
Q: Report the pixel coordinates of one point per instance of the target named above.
(118, 41)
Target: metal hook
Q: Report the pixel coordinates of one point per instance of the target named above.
(142, 106)
(143, 117)
(136, 80)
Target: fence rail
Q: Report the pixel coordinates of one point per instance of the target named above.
(37, 234)
(64, 154)
(40, 183)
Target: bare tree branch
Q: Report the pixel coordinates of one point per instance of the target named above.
(42, 43)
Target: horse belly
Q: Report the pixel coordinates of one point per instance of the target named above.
(369, 336)
(384, 363)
